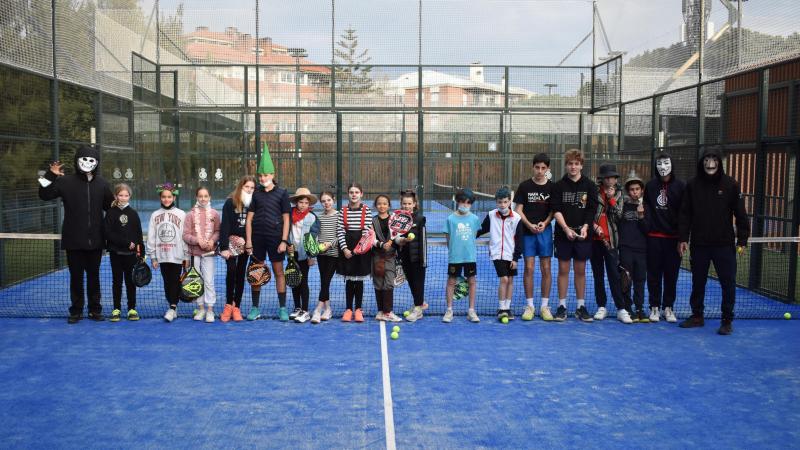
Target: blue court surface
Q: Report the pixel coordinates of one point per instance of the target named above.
(268, 384)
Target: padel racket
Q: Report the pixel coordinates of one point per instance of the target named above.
(461, 290)
(292, 273)
(258, 273)
(311, 245)
(236, 245)
(366, 242)
(192, 285)
(400, 223)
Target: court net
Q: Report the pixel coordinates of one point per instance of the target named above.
(34, 282)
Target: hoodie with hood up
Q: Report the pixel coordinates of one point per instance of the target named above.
(709, 205)
(663, 203)
(84, 201)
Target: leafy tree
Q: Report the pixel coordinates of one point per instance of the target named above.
(355, 75)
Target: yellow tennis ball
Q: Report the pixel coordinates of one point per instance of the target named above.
(322, 247)
(406, 313)
(740, 250)
(504, 320)
(411, 236)
(395, 335)
(396, 329)
(787, 316)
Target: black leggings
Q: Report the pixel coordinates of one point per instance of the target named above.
(234, 279)
(300, 293)
(415, 275)
(385, 300)
(121, 269)
(171, 274)
(327, 269)
(354, 290)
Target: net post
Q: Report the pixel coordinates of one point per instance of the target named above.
(793, 247)
(759, 193)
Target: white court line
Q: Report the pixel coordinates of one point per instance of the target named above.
(387, 392)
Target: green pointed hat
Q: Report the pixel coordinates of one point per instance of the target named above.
(265, 165)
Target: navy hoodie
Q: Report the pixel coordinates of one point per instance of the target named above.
(709, 206)
(663, 205)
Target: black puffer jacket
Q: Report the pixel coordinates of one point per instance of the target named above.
(84, 203)
(415, 252)
(709, 205)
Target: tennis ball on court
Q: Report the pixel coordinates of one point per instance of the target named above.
(787, 316)
(504, 320)
(396, 329)
(395, 335)
(406, 313)
(411, 236)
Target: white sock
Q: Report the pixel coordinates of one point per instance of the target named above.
(501, 304)
(508, 303)
(545, 300)
(529, 301)
(562, 302)
(581, 302)
(450, 309)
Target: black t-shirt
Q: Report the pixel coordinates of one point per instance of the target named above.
(535, 200)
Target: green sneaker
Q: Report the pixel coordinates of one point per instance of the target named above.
(283, 315)
(529, 313)
(133, 315)
(254, 314)
(115, 315)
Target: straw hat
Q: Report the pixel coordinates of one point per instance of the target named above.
(303, 192)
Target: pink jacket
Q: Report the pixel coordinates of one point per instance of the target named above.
(201, 222)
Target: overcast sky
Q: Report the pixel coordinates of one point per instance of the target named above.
(524, 32)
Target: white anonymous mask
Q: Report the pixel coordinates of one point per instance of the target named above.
(87, 164)
(710, 165)
(664, 166)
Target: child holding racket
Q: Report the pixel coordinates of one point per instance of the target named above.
(231, 246)
(123, 232)
(165, 246)
(413, 254)
(460, 231)
(352, 225)
(384, 261)
(633, 246)
(201, 232)
(304, 221)
(328, 258)
(505, 248)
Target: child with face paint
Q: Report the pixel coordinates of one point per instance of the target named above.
(662, 203)
(123, 232)
(234, 219)
(303, 221)
(165, 246)
(85, 196)
(353, 222)
(711, 202)
(201, 232)
(384, 261)
(505, 248)
(460, 231)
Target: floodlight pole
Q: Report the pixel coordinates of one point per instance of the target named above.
(297, 53)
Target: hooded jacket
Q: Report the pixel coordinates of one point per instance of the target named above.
(84, 202)
(709, 205)
(663, 203)
(576, 201)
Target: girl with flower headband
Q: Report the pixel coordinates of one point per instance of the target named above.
(165, 246)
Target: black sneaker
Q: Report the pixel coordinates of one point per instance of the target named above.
(725, 328)
(692, 322)
(561, 314)
(510, 314)
(501, 313)
(97, 317)
(74, 318)
(583, 315)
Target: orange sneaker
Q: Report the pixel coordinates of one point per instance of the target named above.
(237, 314)
(226, 313)
(348, 315)
(359, 315)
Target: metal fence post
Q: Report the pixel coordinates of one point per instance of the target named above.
(757, 229)
(339, 160)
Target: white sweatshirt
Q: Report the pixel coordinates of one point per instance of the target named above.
(165, 236)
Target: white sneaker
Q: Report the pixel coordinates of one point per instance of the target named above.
(601, 313)
(448, 316)
(302, 317)
(623, 316)
(327, 314)
(391, 317)
(379, 316)
(209, 316)
(655, 314)
(669, 315)
(415, 314)
(472, 316)
(317, 316)
(199, 314)
(295, 313)
(170, 315)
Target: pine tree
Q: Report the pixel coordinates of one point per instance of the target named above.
(354, 76)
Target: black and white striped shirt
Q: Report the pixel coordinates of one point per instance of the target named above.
(353, 222)
(327, 232)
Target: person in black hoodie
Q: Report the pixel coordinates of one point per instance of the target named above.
(633, 245)
(662, 204)
(123, 232)
(85, 196)
(712, 199)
